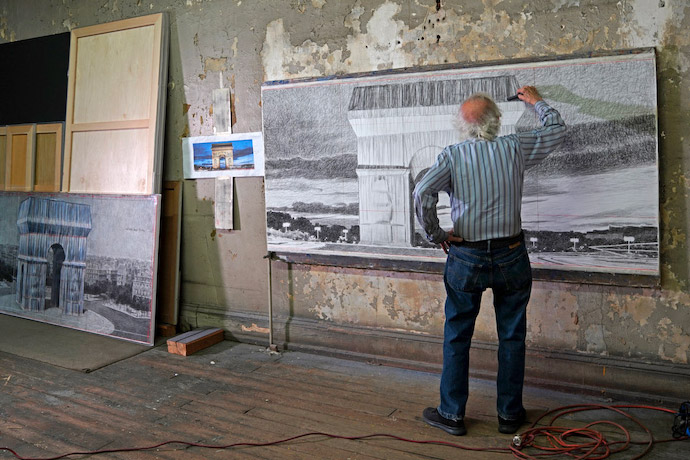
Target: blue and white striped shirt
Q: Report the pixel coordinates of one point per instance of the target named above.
(484, 180)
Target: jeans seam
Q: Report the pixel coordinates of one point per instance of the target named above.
(443, 414)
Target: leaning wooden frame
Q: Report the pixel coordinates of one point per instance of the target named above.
(116, 107)
(31, 157)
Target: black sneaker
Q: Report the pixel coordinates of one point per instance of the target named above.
(511, 426)
(433, 418)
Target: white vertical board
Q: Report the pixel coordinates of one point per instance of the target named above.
(224, 206)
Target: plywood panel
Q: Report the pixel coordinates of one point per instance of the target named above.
(19, 157)
(114, 76)
(118, 74)
(3, 147)
(104, 168)
(48, 162)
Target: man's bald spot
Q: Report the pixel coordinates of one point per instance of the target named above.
(475, 109)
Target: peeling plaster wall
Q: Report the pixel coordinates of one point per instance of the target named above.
(241, 43)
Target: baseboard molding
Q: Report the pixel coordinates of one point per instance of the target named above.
(616, 377)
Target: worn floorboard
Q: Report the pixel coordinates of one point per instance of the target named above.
(234, 392)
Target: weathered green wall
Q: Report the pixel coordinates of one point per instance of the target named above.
(398, 316)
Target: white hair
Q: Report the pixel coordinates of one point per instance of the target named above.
(489, 124)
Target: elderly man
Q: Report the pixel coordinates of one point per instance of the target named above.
(484, 177)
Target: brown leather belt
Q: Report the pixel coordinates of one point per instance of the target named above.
(496, 243)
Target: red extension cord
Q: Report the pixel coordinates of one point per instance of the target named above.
(536, 442)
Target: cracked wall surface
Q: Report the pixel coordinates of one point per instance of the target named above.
(239, 44)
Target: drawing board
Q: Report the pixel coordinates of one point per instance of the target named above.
(86, 262)
(343, 155)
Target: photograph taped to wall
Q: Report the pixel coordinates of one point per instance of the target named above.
(234, 155)
(85, 262)
(344, 154)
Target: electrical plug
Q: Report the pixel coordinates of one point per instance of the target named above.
(681, 422)
(517, 441)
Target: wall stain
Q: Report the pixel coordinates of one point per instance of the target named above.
(553, 323)
(459, 34)
(596, 336)
(215, 64)
(255, 328)
(674, 342)
(5, 32)
(637, 308)
(367, 299)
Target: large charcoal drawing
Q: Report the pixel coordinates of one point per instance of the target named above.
(343, 155)
(83, 262)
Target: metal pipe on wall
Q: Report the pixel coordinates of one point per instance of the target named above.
(271, 345)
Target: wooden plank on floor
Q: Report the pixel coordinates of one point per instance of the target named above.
(195, 340)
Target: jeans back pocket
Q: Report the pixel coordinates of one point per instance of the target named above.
(516, 271)
(463, 275)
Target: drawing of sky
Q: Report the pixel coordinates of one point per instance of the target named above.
(309, 120)
(121, 227)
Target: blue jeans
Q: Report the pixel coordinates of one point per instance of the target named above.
(467, 274)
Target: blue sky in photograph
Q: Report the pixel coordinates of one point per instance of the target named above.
(242, 155)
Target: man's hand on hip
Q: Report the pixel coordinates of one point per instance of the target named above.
(451, 239)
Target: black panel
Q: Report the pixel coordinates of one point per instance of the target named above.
(33, 84)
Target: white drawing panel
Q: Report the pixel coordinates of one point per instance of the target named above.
(343, 155)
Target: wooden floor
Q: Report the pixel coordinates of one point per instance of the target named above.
(241, 393)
